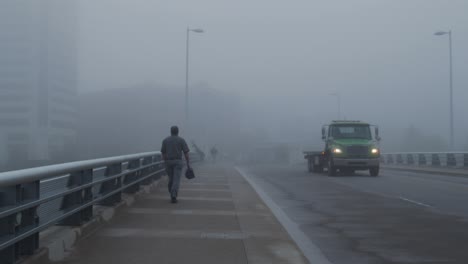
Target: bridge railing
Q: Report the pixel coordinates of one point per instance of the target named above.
(435, 159)
(33, 200)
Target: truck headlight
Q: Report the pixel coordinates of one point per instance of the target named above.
(375, 151)
(337, 151)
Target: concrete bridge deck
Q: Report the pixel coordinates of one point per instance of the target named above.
(219, 219)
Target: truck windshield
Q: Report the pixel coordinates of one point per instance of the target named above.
(351, 131)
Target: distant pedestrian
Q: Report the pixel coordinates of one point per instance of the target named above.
(172, 149)
(214, 153)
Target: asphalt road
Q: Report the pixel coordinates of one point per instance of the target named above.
(398, 217)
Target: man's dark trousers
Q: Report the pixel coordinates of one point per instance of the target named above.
(174, 172)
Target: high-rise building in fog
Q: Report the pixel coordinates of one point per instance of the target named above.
(38, 79)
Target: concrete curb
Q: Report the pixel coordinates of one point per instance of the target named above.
(58, 241)
(311, 251)
(461, 173)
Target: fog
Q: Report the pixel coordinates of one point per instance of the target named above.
(284, 58)
(263, 71)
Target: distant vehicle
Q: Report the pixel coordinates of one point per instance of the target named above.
(349, 146)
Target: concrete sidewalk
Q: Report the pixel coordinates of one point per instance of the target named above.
(219, 219)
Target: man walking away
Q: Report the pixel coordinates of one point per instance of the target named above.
(172, 149)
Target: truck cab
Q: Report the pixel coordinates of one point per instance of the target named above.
(349, 146)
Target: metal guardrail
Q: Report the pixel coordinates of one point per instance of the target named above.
(34, 199)
(436, 159)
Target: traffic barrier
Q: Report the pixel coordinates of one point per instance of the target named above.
(434, 159)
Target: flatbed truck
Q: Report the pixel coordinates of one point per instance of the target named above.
(349, 146)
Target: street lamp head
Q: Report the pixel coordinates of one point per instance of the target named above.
(441, 33)
(197, 30)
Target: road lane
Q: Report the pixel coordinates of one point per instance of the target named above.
(446, 194)
(396, 218)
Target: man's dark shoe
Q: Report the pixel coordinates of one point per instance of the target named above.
(173, 200)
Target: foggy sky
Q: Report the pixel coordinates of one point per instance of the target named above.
(284, 58)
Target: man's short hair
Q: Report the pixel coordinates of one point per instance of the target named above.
(174, 130)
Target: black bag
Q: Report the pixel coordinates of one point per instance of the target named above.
(189, 174)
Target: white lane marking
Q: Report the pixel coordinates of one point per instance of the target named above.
(308, 248)
(382, 194)
(415, 202)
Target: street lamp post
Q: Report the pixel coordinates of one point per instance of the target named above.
(449, 33)
(196, 30)
(338, 98)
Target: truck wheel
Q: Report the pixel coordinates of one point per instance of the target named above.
(374, 172)
(331, 168)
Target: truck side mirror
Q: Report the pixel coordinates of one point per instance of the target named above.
(323, 133)
(377, 136)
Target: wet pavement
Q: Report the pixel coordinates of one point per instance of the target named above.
(356, 219)
(219, 219)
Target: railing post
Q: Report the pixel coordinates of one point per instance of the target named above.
(390, 159)
(131, 177)
(422, 159)
(410, 159)
(72, 200)
(459, 160)
(399, 159)
(435, 160)
(13, 225)
(28, 219)
(112, 185)
(8, 223)
(451, 161)
(159, 166)
(147, 171)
